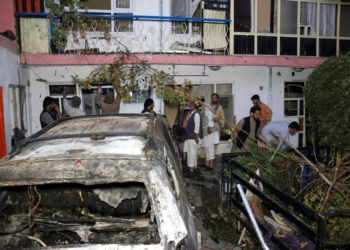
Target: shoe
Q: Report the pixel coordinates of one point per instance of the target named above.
(209, 168)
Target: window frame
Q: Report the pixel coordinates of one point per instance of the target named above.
(298, 116)
(18, 117)
(254, 31)
(113, 10)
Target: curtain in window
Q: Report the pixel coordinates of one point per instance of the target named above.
(214, 35)
(327, 19)
(308, 17)
(125, 4)
(203, 90)
(181, 8)
(194, 6)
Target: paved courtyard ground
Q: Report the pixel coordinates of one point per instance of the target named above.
(203, 189)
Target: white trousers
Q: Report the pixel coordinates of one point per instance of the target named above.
(210, 152)
(192, 153)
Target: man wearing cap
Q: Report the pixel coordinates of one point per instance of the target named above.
(74, 109)
(109, 105)
(148, 106)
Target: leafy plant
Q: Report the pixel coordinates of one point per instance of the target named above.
(327, 96)
(71, 22)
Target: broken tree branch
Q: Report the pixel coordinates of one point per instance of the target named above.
(335, 180)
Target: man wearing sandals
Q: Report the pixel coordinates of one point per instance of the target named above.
(195, 134)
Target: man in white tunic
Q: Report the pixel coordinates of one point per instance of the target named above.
(74, 109)
(209, 138)
(272, 133)
(195, 134)
(219, 122)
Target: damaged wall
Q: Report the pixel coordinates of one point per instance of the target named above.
(246, 81)
(11, 73)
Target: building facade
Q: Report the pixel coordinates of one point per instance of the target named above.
(235, 48)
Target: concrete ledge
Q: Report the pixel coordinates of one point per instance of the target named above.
(8, 44)
(189, 59)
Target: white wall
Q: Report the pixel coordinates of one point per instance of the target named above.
(11, 73)
(246, 80)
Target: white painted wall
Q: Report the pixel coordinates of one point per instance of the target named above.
(11, 73)
(246, 80)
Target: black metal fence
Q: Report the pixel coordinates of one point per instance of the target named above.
(317, 234)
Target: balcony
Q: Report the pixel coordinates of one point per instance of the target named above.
(101, 34)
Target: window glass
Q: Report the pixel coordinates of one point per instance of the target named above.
(344, 20)
(267, 16)
(58, 89)
(123, 4)
(308, 19)
(289, 18)
(90, 107)
(243, 15)
(328, 17)
(97, 5)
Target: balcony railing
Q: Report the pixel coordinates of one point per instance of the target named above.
(119, 33)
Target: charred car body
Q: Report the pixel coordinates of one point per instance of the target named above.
(96, 182)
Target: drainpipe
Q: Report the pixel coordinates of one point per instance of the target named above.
(270, 88)
(231, 26)
(161, 25)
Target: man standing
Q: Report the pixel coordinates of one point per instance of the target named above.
(266, 112)
(148, 106)
(50, 113)
(208, 141)
(195, 133)
(109, 105)
(74, 109)
(272, 133)
(249, 130)
(219, 122)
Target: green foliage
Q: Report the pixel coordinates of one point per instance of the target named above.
(129, 73)
(72, 22)
(327, 96)
(285, 174)
(280, 172)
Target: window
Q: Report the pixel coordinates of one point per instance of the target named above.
(88, 100)
(291, 27)
(226, 101)
(55, 91)
(122, 7)
(294, 107)
(18, 109)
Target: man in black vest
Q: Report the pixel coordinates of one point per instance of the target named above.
(249, 130)
(195, 134)
(50, 113)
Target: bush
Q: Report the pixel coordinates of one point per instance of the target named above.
(327, 96)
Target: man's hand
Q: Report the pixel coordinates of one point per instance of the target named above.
(99, 89)
(64, 93)
(209, 130)
(57, 109)
(196, 140)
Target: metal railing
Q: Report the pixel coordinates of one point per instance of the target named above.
(229, 191)
(104, 33)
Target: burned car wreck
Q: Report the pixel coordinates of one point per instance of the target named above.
(96, 182)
